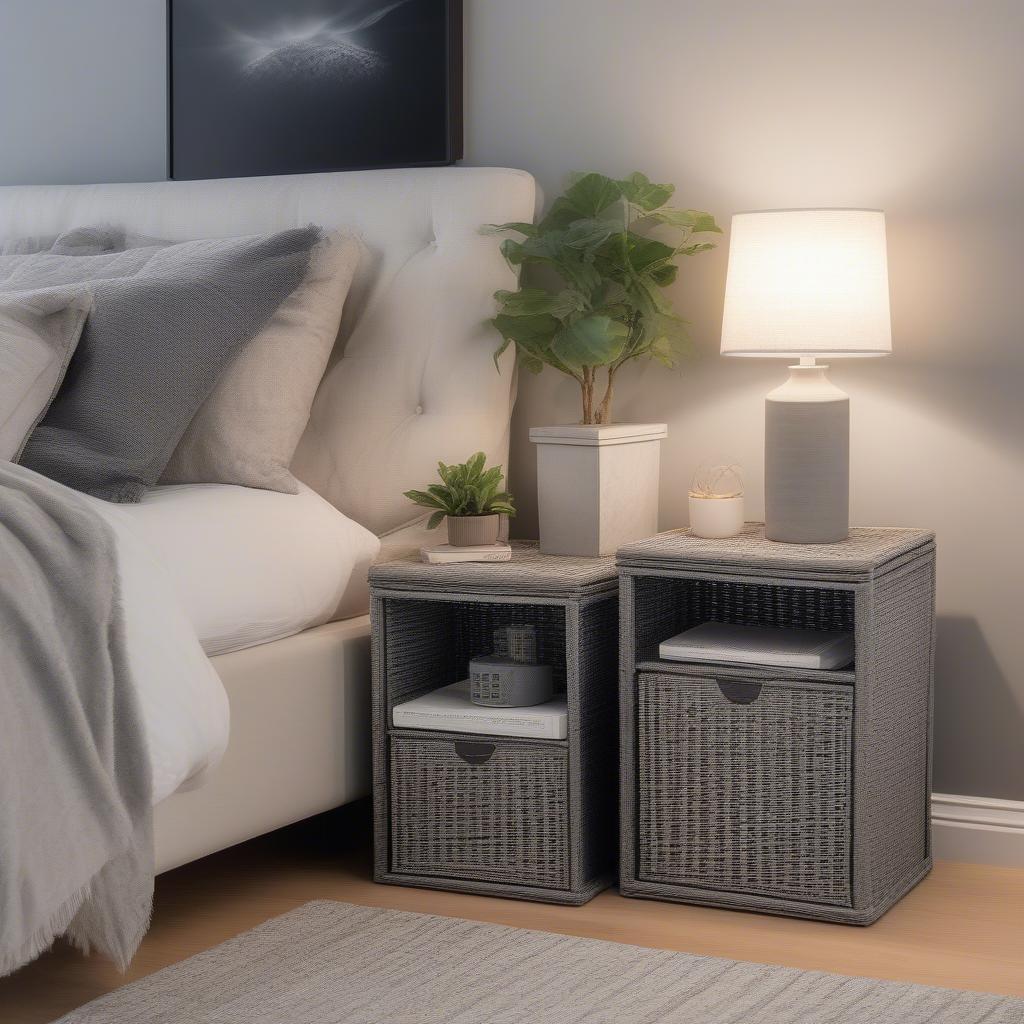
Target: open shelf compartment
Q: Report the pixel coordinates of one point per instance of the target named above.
(429, 643)
(665, 606)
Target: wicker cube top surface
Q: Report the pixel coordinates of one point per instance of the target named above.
(865, 553)
(530, 574)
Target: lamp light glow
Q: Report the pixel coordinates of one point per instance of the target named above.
(807, 283)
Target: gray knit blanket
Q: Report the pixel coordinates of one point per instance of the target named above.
(75, 817)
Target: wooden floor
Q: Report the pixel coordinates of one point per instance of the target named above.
(963, 927)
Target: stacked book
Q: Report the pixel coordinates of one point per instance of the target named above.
(449, 709)
(733, 644)
(445, 554)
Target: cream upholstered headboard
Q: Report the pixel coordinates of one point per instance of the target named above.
(412, 379)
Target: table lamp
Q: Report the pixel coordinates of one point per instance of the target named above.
(804, 284)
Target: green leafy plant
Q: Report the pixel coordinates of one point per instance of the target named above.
(603, 304)
(468, 489)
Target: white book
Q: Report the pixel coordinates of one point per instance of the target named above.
(442, 554)
(760, 645)
(450, 710)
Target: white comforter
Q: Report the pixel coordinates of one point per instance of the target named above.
(208, 569)
(183, 703)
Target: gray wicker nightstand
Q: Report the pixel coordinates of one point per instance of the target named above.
(533, 819)
(793, 792)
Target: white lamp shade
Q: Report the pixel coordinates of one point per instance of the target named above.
(807, 283)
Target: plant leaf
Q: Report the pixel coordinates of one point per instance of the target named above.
(512, 251)
(424, 499)
(500, 351)
(559, 217)
(590, 341)
(523, 227)
(531, 301)
(589, 233)
(444, 497)
(529, 331)
(435, 520)
(691, 250)
(641, 192)
(592, 193)
(695, 221)
(670, 339)
(646, 254)
(664, 276)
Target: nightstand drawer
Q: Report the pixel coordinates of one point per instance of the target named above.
(746, 787)
(480, 808)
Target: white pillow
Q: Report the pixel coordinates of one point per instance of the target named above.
(248, 429)
(38, 334)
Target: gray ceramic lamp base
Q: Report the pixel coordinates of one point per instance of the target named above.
(807, 466)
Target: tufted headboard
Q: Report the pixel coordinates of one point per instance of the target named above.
(412, 379)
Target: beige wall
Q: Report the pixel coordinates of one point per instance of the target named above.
(913, 106)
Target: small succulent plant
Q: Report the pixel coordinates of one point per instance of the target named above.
(466, 489)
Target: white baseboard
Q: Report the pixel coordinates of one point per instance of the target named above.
(978, 830)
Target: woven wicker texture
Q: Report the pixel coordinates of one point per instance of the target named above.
(505, 820)
(538, 819)
(746, 797)
(864, 553)
(529, 573)
(884, 590)
(893, 762)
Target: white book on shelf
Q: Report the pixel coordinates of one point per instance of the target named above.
(443, 554)
(449, 709)
(777, 646)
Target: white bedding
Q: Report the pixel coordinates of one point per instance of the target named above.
(251, 566)
(183, 703)
(217, 567)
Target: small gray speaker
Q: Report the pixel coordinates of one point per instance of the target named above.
(807, 471)
(510, 677)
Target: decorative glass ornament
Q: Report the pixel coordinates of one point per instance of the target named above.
(716, 500)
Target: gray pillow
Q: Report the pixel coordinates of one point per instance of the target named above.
(38, 333)
(86, 241)
(165, 323)
(248, 429)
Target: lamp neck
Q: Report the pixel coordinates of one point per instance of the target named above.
(808, 382)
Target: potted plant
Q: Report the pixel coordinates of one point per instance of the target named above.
(595, 305)
(469, 498)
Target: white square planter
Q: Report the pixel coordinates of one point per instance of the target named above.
(597, 486)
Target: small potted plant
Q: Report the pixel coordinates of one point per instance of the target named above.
(469, 498)
(595, 305)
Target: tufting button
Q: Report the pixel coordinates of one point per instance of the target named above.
(419, 410)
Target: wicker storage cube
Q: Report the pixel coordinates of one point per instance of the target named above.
(730, 775)
(533, 819)
(801, 792)
(493, 810)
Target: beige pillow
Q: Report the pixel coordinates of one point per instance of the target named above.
(39, 331)
(248, 429)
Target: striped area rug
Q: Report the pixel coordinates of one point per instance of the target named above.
(333, 963)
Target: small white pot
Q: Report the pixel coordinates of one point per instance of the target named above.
(716, 518)
(597, 486)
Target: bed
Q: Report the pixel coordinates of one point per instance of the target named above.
(274, 585)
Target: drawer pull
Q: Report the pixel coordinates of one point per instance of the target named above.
(474, 753)
(739, 693)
